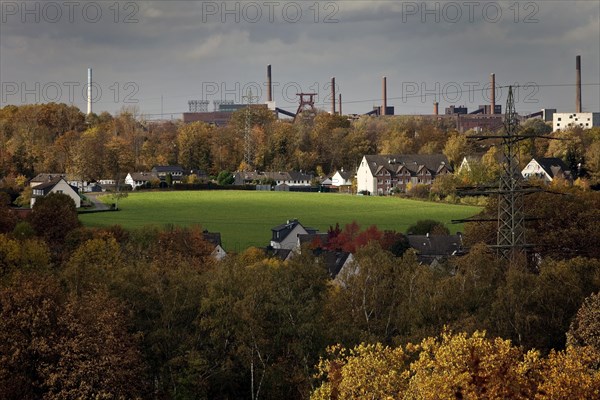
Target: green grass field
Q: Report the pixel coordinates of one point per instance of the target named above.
(245, 218)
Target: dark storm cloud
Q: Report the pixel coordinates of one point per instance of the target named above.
(173, 48)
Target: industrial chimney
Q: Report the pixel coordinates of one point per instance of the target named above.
(269, 84)
(436, 108)
(89, 92)
(384, 106)
(340, 103)
(578, 85)
(333, 95)
(493, 95)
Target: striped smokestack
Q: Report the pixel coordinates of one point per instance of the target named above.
(578, 85)
(384, 106)
(333, 95)
(269, 84)
(493, 95)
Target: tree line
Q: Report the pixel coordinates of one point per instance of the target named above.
(109, 313)
(59, 138)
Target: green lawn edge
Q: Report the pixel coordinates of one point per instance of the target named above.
(245, 218)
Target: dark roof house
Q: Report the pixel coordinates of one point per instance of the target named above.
(548, 169)
(436, 248)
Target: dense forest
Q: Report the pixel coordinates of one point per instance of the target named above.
(115, 314)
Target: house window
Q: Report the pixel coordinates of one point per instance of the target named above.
(559, 119)
(59, 191)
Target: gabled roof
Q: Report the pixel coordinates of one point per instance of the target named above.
(167, 168)
(346, 175)
(282, 254)
(333, 260)
(412, 162)
(277, 176)
(285, 229)
(48, 176)
(299, 176)
(143, 176)
(212, 237)
(430, 247)
(48, 186)
(552, 165)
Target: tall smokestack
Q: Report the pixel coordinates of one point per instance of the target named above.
(493, 95)
(340, 103)
(89, 92)
(333, 95)
(269, 84)
(384, 106)
(435, 108)
(578, 85)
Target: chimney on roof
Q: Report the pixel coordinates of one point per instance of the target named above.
(340, 103)
(384, 105)
(269, 84)
(493, 95)
(578, 85)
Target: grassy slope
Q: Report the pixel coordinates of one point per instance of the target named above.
(245, 218)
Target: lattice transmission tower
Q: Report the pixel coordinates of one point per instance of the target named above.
(510, 235)
(511, 217)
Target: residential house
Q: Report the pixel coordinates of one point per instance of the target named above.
(46, 177)
(327, 181)
(139, 179)
(164, 171)
(290, 178)
(342, 180)
(285, 236)
(334, 261)
(382, 174)
(56, 185)
(214, 238)
(281, 254)
(435, 249)
(547, 169)
(247, 177)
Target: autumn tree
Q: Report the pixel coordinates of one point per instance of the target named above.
(365, 371)
(585, 327)
(457, 146)
(53, 216)
(428, 226)
(56, 347)
(194, 146)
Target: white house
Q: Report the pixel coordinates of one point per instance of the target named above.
(214, 238)
(381, 174)
(547, 169)
(342, 178)
(568, 120)
(137, 179)
(56, 185)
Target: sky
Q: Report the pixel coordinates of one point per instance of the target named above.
(154, 56)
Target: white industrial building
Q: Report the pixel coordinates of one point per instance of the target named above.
(585, 120)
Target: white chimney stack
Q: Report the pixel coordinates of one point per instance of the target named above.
(89, 92)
